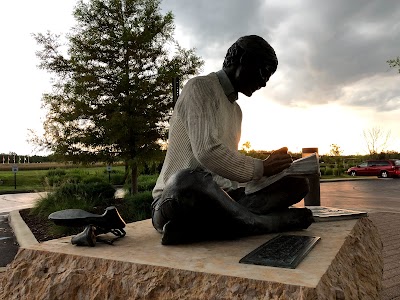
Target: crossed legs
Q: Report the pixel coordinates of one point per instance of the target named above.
(193, 207)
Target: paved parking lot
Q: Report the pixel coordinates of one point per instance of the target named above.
(10, 202)
(8, 243)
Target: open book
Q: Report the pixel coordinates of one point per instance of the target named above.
(323, 213)
(304, 166)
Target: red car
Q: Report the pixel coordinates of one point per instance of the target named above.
(381, 168)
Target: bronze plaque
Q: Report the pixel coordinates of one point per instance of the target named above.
(283, 251)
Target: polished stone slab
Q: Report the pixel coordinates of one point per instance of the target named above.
(282, 251)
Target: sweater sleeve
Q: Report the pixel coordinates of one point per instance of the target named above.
(200, 114)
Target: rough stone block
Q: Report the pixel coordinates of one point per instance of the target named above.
(345, 264)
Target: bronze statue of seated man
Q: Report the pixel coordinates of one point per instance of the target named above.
(198, 195)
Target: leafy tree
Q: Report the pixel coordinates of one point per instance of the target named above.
(112, 95)
(246, 146)
(394, 63)
(335, 150)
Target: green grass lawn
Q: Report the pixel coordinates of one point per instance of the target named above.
(23, 180)
(33, 180)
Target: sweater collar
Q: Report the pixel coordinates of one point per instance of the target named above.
(227, 86)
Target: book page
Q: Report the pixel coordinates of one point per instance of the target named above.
(324, 213)
(304, 166)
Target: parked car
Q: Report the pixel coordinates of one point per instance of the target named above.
(381, 168)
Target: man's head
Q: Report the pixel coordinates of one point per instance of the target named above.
(249, 63)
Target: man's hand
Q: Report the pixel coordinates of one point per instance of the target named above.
(277, 162)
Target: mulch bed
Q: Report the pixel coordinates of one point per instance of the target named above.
(39, 228)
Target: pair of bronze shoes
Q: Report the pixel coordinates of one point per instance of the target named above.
(95, 225)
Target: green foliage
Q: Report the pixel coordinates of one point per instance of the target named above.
(335, 150)
(256, 154)
(25, 180)
(57, 177)
(394, 63)
(75, 195)
(40, 180)
(336, 172)
(147, 182)
(246, 146)
(95, 197)
(86, 196)
(112, 93)
(264, 154)
(152, 168)
(138, 206)
(327, 172)
(56, 172)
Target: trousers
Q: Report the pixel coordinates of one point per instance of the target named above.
(193, 204)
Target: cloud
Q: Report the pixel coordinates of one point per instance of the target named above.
(326, 49)
(382, 92)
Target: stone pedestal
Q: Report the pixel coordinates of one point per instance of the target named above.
(345, 264)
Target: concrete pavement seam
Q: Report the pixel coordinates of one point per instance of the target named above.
(23, 234)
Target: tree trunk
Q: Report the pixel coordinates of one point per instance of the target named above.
(134, 186)
(126, 173)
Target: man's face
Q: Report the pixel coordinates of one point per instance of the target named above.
(251, 75)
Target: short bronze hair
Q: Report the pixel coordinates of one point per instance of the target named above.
(257, 47)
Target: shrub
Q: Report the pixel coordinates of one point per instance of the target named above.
(51, 181)
(54, 177)
(338, 171)
(94, 179)
(94, 196)
(138, 206)
(57, 177)
(117, 178)
(56, 172)
(72, 195)
(147, 182)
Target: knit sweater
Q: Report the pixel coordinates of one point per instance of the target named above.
(204, 133)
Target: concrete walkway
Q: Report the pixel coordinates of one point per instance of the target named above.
(10, 202)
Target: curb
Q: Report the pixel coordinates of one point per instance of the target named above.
(23, 234)
(349, 179)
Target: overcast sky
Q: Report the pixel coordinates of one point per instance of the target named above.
(323, 47)
(332, 74)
